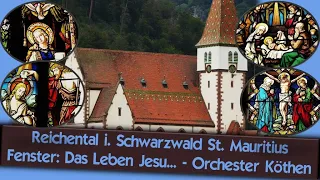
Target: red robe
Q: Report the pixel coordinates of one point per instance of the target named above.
(68, 106)
(53, 92)
(301, 111)
(53, 97)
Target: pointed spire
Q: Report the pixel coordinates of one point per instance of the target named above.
(221, 24)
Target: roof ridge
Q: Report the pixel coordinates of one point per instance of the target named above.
(220, 26)
(135, 52)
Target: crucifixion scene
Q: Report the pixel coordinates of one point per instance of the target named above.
(39, 31)
(277, 34)
(282, 101)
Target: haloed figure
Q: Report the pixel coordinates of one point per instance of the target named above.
(285, 94)
(41, 50)
(302, 106)
(67, 90)
(16, 106)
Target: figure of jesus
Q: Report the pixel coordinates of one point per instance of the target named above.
(285, 94)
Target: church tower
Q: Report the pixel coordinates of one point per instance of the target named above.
(222, 69)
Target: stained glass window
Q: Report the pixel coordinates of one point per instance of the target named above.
(47, 31)
(282, 101)
(277, 34)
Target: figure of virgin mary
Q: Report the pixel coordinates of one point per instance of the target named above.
(41, 37)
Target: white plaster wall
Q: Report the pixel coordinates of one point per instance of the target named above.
(231, 95)
(170, 128)
(95, 125)
(215, 62)
(73, 64)
(126, 119)
(224, 54)
(145, 127)
(93, 97)
(209, 130)
(210, 94)
(220, 58)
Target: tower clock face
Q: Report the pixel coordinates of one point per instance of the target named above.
(208, 68)
(232, 68)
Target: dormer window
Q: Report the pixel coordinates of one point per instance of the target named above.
(210, 56)
(185, 85)
(121, 80)
(205, 57)
(143, 82)
(236, 57)
(164, 84)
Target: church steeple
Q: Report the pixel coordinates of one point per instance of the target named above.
(220, 25)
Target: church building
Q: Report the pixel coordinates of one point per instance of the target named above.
(167, 92)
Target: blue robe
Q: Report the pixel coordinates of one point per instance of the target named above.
(265, 110)
(47, 56)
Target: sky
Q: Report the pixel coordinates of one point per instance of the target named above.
(8, 64)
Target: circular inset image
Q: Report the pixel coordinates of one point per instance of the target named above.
(281, 101)
(39, 31)
(277, 34)
(42, 94)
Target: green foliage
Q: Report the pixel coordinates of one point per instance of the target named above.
(166, 26)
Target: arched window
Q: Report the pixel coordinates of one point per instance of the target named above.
(230, 56)
(203, 131)
(236, 57)
(205, 57)
(139, 128)
(182, 130)
(160, 129)
(119, 128)
(210, 57)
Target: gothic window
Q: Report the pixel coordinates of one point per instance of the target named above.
(208, 84)
(208, 106)
(205, 57)
(236, 57)
(232, 106)
(230, 56)
(232, 84)
(160, 129)
(182, 130)
(210, 57)
(305, 93)
(119, 128)
(139, 128)
(203, 131)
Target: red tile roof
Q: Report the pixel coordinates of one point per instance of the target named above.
(151, 104)
(221, 24)
(103, 103)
